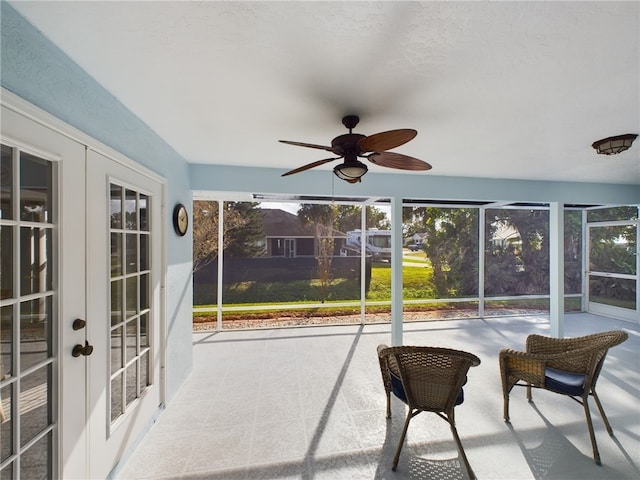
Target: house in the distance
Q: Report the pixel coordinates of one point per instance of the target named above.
(285, 234)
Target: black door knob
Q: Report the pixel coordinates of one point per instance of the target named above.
(84, 350)
(79, 324)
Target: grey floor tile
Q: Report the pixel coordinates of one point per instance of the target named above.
(217, 448)
(277, 442)
(308, 403)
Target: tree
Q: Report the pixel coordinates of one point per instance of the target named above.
(349, 217)
(241, 230)
(450, 244)
(343, 217)
(321, 218)
(244, 229)
(324, 259)
(314, 214)
(529, 272)
(205, 233)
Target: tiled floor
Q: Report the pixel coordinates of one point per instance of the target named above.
(308, 403)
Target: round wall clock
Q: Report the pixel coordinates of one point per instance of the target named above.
(180, 219)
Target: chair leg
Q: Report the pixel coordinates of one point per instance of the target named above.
(388, 404)
(602, 414)
(596, 454)
(529, 391)
(506, 407)
(472, 476)
(404, 434)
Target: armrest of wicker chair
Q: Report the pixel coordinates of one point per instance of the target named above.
(516, 366)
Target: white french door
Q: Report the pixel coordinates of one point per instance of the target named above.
(42, 230)
(81, 240)
(124, 307)
(612, 276)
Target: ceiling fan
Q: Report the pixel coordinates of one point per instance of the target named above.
(374, 148)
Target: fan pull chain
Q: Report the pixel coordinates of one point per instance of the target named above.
(333, 186)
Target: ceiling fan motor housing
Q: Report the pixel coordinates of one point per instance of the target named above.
(347, 144)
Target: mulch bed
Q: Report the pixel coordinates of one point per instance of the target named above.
(295, 319)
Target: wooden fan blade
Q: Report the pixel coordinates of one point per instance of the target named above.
(308, 145)
(381, 142)
(309, 165)
(399, 161)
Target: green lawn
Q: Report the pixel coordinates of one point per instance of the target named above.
(416, 257)
(415, 285)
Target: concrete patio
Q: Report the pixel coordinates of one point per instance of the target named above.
(308, 403)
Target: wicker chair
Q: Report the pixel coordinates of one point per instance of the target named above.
(427, 379)
(568, 366)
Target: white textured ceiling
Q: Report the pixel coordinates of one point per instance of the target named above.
(495, 89)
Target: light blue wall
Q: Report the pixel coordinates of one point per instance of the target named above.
(416, 185)
(36, 70)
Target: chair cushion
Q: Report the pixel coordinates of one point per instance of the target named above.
(563, 382)
(398, 390)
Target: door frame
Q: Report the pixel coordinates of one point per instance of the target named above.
(290, 247)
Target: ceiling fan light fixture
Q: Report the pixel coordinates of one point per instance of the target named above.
(614, 145)
(350, 171)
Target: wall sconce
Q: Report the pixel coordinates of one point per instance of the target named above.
(613, 145)
(351, 171)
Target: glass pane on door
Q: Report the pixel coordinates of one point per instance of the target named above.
(28, 316)
(129, 244)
